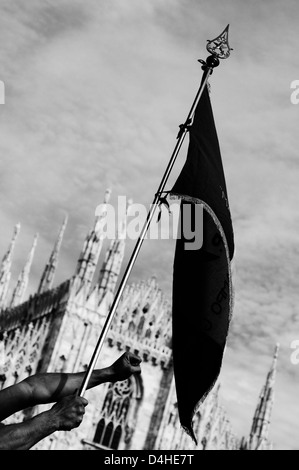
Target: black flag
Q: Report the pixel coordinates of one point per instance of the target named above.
(202, 289)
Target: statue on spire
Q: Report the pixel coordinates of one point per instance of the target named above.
(47, 278)
(5, 273)
(89, 256)
(111, 267)
(23, 279)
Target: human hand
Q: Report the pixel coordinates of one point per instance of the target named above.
(69, 412)
(125, 366)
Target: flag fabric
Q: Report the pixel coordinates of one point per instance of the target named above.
(202, 288)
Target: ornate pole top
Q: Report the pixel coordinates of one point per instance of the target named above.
(219, 49)
(220, 46)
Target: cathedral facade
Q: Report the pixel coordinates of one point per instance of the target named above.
(56, 330)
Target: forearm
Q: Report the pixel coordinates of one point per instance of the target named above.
(47, 388)
(23, 436)
(14, 398)
(50, 387)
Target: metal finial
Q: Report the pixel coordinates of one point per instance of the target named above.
(219, 46)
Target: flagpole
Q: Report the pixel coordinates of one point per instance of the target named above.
(217, 47)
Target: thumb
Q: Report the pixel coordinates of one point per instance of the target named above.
(134, 360)
(84, 401)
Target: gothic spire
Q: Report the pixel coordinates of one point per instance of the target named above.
(90, 253)
(47, 278)
(23, 279)
(260, 426)
(112, 265)
(5, 267)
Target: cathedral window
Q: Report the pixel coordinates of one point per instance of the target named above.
(108, 435)
(116, 437)
(99, 431)
(119, 406)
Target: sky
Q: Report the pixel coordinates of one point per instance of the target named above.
(94, 93)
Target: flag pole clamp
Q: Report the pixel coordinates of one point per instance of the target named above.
(184, 128)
